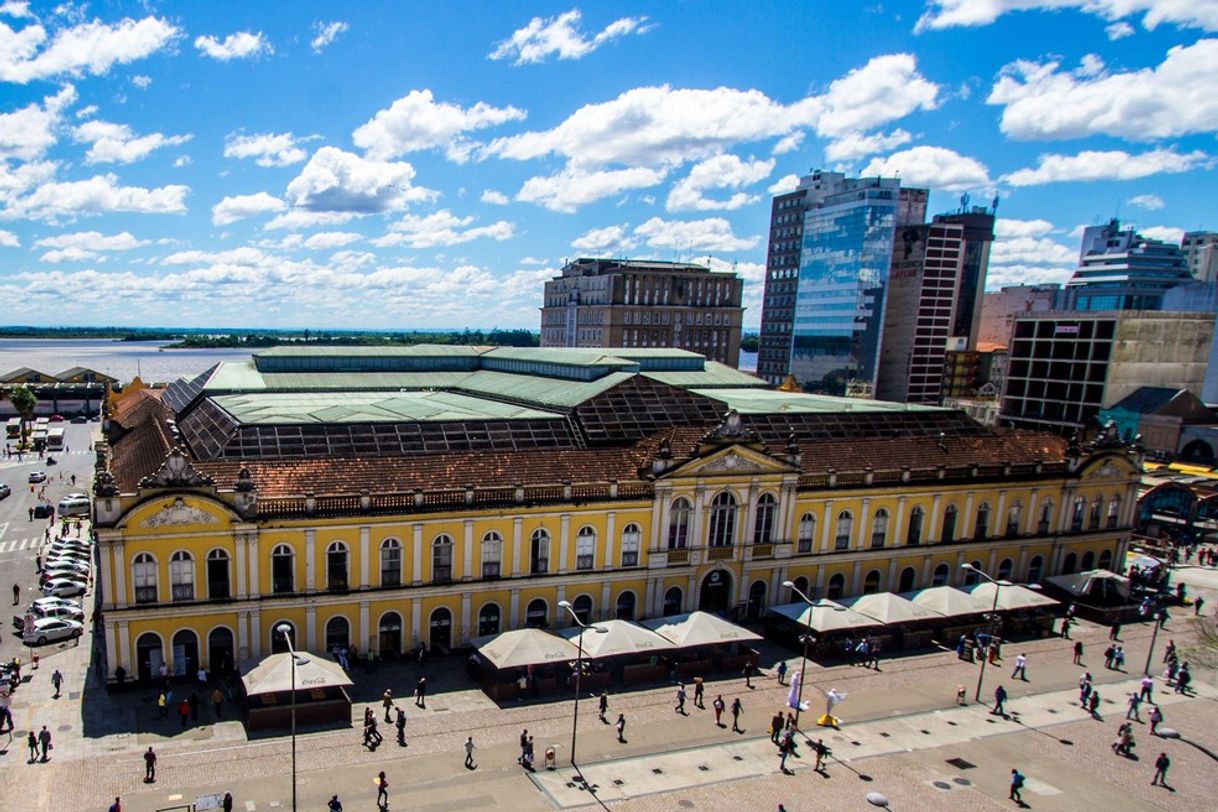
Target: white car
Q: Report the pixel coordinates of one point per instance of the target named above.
(63, 567)
(61, 612)
(64, 587)
(42, 604)
(38, 476)
(74, 504)
(49, 629)
(69, 555)
(69, 545)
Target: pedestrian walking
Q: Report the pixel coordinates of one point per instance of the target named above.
(718, 706)
(149, 766)
(1000, 696)
(420, 692)
(621, 727)
(183, 712)
(44, 741)
(749, 669)
(1114, 633)
(528, 754)
(1084, 688)
(1021, 668)
(400, 724)
(16, 588)
(334, 805)
(822, 752)
(1093, 704)
(1156, 718)
(227, 803)
(117, 806)
(737, 709)
(1017, 780)
(57, 681)
(1161, 765)
(201, 678)
(604, 706)
(784, 750)
(681, 699)
(1169, 651)
(387, 704)
(524, 742)
(1184, 678)
(782, 673)
(31, 741)
(382, 790)
(217, 700)
(1109, 654)
(699, 692)
(1163, 618)
(1148, 688)
(1134, 703)
(776, 727)
(1198, 602)
(1078, 652)
(469, 753)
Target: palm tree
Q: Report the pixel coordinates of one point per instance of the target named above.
(23, 401)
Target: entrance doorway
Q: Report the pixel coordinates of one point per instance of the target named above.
(716, 596)
(220, 651)
(148, 656)
(185, 653)
(390, 635)
(756, 600)
(440, 630)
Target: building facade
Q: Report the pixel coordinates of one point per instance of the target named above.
(1119, 269)
(290, 490)
(1000, 308)
(634, 303)
(1201, 254)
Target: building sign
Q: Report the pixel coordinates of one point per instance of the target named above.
(1066, 329)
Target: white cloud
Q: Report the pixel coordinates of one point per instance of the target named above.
(93, 241)
(329, 240)
(886, 88)
(720, 172)
(97, 195)
(86, 48)
(440, 228)
(560, 36)
(532, 261)
(18, 180)
(711, 234)
(300, 218)
(141, 81)
(788, 143)
(490, 196)
(951, 13)
(787, 183)
(338, 181)
(1000, 276)
(181, 161)
(1172, 99)
(240, 45)
(938, 168)
(417, 122)
(1165, 233)
(1031, 251)
(267, 149)
(85, 112)
(853, 146)
(17, 10)
(326, 34)
(1092, 165)
(606, 241)
(117, 143)
(1007, 227)
(572, 188)
(1148, 202)
(28, 132)
(238, 207)
(1119, 30)
(9, 240)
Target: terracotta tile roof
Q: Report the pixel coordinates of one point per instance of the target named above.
(132, 409)
(890, 453)
(142, 447)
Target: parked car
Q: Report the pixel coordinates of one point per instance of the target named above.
(66, 587)
(80, 418)
(62, 550)
(37, 476)
(66, 569)
(5, 491)
(61, 612)
(43, 509)
(56, 418)
(39, 604)
(74, 504)
(64, 561)
(49, 629)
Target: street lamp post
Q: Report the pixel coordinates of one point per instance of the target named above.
(1155, 617)
(579, 668)
(806, 639)
(286, 631)
(992, 616)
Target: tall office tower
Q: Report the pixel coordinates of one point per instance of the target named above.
(1000, 308)
(644, 303)
(1119, 269)
(831, 243)
(1201, 254)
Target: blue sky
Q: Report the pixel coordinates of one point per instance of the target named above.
(394, 165)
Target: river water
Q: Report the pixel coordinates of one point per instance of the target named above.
(124, 359)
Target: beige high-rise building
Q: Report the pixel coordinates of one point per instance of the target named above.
(1201, 254)
(644, 303)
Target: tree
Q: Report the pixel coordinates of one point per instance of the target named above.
(23, 401)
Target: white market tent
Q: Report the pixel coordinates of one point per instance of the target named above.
(826, 616)
(622, 637)
(948, 601)
(1099, 584)
(890, 609)
(522, 647)
(1010, 597)
(697, 629)
(274, 674)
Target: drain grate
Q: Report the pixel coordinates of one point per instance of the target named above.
(617, 782)
(941, 785)
(703, 768)
(657, 771)
(961, 764)
(964, 782)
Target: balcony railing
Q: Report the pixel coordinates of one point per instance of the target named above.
(718, 553)
(391, 577)
(630, 559)
(145, 594)
(583, 562)
(183, 592)
(490, 569)
(763, 551)
(539, 566)
(441, 573)
(282, 586)
(676, 557)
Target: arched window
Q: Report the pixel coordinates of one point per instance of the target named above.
(807, 533)
(442, 559)
(913, 534)
(1005, 568)
(879, 528)
(279, 641)
(492, 553)
(1114, 511)
(723, 520)
(1076, 518)
(143, 578)
(336, 566)
(981, 528)
(391, 562)
(678, 524)
(941, 575)
(283, 569)
(672, 601)
(949, 524)
(756, 602)
(625, 606)
(763, 521)
(1088, 561)
(1105, 560)
(837, 586)
(845, 526)
(1013, 519)
(1097, 510)
(217, 575)
(539, 552)
(535, 615)
(488, 619)
(585, 548)
(908, 576)
(1046, 517)
(631, 535)
(1070, 565)
(1036, 569)
(338, 633)
(972, 576)
(801, 583)
(582, 607)
(871, 582)
(182, 576)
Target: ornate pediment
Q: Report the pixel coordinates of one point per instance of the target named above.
(175, 472)
(731, 461)
(731, 429)
(178, 513)
(1107, 471)
(103, 484)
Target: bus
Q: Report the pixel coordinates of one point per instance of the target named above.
(12, 428)
(55, 439)
(38, 438)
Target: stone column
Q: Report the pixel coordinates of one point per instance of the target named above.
(466, 617)
(126, 656)
(252, 553)
(416, 548)
(416, 621)
(1030, 521)
(255, 618)
(119, 598)
(610, 535)
(310, 574)
(856, 576)
(926, 571)
(514, 609)
(932, 531)
(564, 537)
(898, 526)
(365, 636)
(861, 541)
(310, 628)
(826, 521)
(967, 519)
(605, 597)
(698, 520)
(243, 636)
(365, 542)
(468, 554)
(239, 564)
(517, 546)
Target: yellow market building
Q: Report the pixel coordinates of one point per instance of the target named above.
(385, 498)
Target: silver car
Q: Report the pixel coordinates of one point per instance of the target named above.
(64, 587)
(49, 629)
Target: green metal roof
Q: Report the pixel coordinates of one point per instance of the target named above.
(773, 401)
(356, 381)
(426, 350)
(369, 407)
(556, 392)
(713, 375)
(568, 356)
